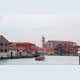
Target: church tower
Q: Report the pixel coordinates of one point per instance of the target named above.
(43, 41)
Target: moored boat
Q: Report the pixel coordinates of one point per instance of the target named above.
(40, 58)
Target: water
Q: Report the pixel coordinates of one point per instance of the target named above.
(49, 60)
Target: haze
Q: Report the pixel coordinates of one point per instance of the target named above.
(30, 28)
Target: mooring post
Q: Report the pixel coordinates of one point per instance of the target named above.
(79, 59)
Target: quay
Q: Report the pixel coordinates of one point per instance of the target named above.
(16, 57)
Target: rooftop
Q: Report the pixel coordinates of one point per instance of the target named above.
(3, 39)
(52, 41)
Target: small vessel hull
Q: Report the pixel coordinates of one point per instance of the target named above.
(40, 58)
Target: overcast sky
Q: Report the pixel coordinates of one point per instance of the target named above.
(28, 20)
(30, 28)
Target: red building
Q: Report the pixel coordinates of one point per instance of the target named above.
(19, 49)
(67, 47)
(23, 45)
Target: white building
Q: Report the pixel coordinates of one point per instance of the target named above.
(4, 47)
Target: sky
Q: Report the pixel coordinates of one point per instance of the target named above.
(20, 7)
(28, 20)
(31, 27)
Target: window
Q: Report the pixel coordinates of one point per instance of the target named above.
(6, 50)
(1, 44)
(1, 50)
(6, 44)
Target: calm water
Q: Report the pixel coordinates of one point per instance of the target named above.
(66, 60)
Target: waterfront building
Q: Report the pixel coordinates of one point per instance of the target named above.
(64, 47)
(53, 44)
(4, 46)
(16, 49)
(22, 48)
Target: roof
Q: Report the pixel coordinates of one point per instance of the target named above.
(53, 41)
(44, 49)
(22, 43)
(3, 39)
(21, 47)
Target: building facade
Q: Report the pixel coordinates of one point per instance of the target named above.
(4, 46)
(63, 47)
(16, 49)
(22, 49)
(53, 44)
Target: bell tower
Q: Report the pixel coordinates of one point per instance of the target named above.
(43, 41)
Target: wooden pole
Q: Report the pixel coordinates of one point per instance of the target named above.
(79, 59)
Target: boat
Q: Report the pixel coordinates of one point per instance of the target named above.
(40, 58)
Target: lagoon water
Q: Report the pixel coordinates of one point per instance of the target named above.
(49, 60)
